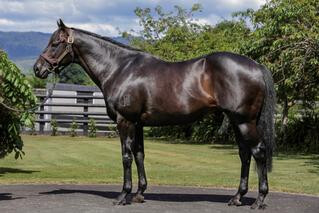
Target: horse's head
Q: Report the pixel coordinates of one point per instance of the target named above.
(58, 54)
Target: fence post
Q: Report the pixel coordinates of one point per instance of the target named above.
(42, 123)
(86, 116)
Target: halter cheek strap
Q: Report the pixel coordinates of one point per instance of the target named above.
(55, 62)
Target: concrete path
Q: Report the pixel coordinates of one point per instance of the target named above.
(159, 199)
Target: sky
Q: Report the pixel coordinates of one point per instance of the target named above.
(105, 17)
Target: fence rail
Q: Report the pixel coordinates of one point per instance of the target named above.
(68, 108)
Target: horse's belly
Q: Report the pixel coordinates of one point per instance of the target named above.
(162, 118)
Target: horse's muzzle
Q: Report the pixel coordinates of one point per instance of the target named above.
(40, 70)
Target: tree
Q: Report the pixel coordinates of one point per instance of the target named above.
(16, 98)
(74, 74)
(286, 39)
(176, 36)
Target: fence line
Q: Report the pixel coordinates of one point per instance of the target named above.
(66, 108)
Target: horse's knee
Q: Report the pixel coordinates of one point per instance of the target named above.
(127, 160)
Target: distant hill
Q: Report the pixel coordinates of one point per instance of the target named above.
(21, 45)
(24, 47)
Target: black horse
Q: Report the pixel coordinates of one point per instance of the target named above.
(142, 90)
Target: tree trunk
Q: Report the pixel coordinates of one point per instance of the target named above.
(284, 120)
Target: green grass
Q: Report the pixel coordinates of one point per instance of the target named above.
(98, 160)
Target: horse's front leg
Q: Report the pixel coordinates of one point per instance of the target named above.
(127, 136)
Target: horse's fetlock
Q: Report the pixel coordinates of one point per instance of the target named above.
(263, 189)
(127, 187)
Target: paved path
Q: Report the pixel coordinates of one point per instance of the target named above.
(159, 199)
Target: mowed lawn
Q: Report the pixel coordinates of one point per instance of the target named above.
(63, 159)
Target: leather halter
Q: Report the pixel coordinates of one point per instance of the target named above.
(55, 62)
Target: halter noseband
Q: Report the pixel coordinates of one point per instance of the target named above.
(55, 62)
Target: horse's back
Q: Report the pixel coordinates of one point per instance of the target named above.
(159, 92)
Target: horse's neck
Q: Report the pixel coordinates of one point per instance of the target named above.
(99, 58)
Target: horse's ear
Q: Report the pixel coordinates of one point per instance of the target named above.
(61, 25)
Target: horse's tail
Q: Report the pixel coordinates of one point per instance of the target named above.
(265, 123)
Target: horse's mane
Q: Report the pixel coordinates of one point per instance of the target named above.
(108, 39)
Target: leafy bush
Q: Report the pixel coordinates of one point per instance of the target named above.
(92, 128)
(213, 129)
(206, 130)
(181, 132)
(74, 127)
(302, 133)
(16, 100)
(54, 127)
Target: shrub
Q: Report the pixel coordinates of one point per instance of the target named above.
(302, 134)
(206, 130)
(54, 127)
(16, 100)
(74, 127)
(213, 129)
(92, 128)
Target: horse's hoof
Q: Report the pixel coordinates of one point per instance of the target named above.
(258, 205)
(138, 198)
(234, 202)
(121, 202)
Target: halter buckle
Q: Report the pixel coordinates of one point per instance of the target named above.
(70, 40)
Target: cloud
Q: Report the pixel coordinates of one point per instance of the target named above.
(103, 16)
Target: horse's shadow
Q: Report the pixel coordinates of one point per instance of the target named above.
(167, 197)
(8, 196)
(7, 170)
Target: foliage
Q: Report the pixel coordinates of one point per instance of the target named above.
(74, 74)
(92, 128)
(302, 133)
(34, 81)
(208, 130)
(54, 127)
(74, 127)
(16, 100)
(286, 40)
(176, 36)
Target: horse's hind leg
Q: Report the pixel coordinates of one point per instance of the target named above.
(245, 157)
(259, 153)
(138, 151)
(251, 144)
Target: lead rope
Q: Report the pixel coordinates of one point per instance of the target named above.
(49, 95)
